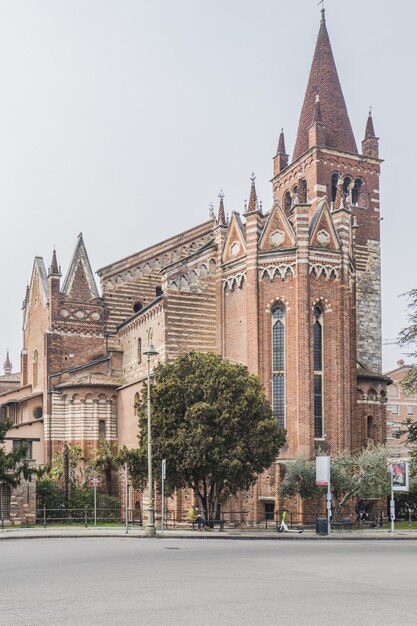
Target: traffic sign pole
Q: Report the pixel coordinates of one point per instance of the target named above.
(126, 500)
(95, 503)
(163, 474)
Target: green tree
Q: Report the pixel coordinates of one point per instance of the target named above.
(213, 424)
(106, 460)
(14, 465)
(363, 475)
(71, 460)
(408, 339)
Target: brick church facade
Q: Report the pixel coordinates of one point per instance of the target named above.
(293, 293)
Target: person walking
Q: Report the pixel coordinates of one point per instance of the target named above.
(201, 522)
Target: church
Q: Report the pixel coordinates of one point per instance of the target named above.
(293, 293)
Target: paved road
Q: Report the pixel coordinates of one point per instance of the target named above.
(186, 582)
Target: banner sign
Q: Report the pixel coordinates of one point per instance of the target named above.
(399, 471)
(322, 470)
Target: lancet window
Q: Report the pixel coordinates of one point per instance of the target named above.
(318, 372)
(278, 364)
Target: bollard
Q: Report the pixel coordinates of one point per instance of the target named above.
(44, 516)
(85, 517)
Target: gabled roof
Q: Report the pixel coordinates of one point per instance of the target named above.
(322, 221)
(324, 82)
(79, 283)
(235, 237)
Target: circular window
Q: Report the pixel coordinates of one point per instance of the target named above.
(138, 306)
(37, 412)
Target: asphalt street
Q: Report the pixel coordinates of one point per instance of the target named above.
(151, 581)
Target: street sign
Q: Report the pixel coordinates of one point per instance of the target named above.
(95, 482)
(399, 471)
(323, 470)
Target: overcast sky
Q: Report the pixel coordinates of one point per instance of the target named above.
(124, 118)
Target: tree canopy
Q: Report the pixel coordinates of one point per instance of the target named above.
(14, 465)
(408, 339)
(363, 475)
(213, 424)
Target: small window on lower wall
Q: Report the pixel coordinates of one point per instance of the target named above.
(37, 412)
(269, 510)
(101, 430)
(19, 443)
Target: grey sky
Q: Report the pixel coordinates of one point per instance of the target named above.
(123, 119)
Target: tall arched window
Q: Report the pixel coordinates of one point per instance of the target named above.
(287, 202)
(35, 370)
(318, 372)
(335, 178)
(102, 430)
(302, 191)
(278, 364)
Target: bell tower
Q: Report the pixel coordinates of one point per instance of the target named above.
(326, 162)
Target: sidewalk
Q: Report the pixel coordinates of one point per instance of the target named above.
(228, 534)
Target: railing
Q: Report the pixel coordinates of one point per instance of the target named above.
(85, 516)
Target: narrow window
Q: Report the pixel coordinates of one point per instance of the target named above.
(101, 430)
(347, 187)
(138, 306)
(139, 351)
(302, 191)
(35, 370)
(287, 202)
(318, 372)
(410, 409)
(136, 403)
(356, 192)
(394, 409)
(370, 427)
(335, 178)
(158, 291)
(278, 364)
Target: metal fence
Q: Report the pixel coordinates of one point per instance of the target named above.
(86, 516)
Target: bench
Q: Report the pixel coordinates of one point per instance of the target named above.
(346, 522)
(214, 524)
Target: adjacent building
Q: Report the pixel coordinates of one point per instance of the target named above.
(400, 407)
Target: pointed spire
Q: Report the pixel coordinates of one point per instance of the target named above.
(7, 366)
(281, 143)
(221, 217)
(79, 283)
(369, 130)
(253, 199)
(54, 269)
(281, 157)
(370, 145)
(324, 81)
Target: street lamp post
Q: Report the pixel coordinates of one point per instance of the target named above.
(150, 525)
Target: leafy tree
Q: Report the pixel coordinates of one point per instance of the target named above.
(408, 500)
(74, 461)
(213, 424)
(363, 475)
(14, 465)
(106, 460)
(408, 338)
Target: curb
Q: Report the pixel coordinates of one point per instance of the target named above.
(224, 537)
